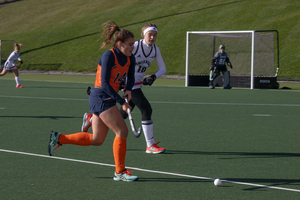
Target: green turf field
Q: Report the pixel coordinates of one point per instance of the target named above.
(62, 35)
(250, 138)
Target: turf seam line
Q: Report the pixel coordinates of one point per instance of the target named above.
(151, 171)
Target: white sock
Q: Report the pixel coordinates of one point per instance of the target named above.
(148, 132)
(17, 80)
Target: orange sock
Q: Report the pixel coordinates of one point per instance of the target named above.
(119, 148)
(82, 139)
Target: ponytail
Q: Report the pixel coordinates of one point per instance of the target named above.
(19, 45)
(112, 29)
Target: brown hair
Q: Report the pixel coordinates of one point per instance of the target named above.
(146, 26)
(19, 45)
(110, 29)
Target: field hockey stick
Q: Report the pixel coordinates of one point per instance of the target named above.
(137, 83)
(135, 133)
(210, 75)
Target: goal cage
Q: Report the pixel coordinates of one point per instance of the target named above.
(6, 47)
(254, 56)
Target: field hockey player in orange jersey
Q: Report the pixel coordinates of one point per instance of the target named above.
(115, 66)
(145, 51)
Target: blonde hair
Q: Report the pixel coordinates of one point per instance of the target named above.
(147, 26)
(112, 29)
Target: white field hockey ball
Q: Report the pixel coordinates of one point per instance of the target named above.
(217, 182)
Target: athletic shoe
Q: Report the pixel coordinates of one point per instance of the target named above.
(227, 87)
(211, 87)
(53, 144)
(155, 149)
(86, 122)
(19, 86)
(125, 176)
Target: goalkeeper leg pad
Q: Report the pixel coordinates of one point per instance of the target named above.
(216, 79)
(226, 80)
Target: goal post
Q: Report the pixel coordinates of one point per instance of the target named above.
(6, 47)
(252, 53)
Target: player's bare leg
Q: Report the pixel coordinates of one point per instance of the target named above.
(4, 71)
(113, 119)
(16, 73)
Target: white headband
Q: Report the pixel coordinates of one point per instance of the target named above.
(151, 28)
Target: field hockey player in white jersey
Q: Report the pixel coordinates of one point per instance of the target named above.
(145, 51)
(10, 64)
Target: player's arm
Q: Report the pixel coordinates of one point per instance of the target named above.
(161, 69)
(213, 61)
(214, 58)
(107, 62)
(160, 64)
(228, 62)
(20, 61)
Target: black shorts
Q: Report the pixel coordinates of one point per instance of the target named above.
(221, 68)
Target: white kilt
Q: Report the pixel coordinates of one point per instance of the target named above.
(9, 66)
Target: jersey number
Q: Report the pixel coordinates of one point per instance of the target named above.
(122, 78)
(142, 69)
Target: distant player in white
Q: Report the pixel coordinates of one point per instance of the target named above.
(10, 64)
(145, 51)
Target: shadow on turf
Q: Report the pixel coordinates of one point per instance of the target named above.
(143, 179)
(243, 154)
(267, 181)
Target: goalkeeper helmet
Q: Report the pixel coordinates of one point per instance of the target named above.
(222, 47)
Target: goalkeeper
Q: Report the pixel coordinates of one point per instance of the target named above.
(218, 66)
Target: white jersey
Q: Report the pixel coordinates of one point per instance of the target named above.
(144, 55)
(13, 57)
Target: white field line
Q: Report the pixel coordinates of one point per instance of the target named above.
(229, 104)
(161, 102)
(150, 171)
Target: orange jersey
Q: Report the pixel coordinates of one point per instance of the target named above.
(118, 73)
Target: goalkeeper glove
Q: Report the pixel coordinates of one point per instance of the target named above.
(149, 80)
(230, 65)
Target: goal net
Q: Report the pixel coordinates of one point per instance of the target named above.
(253, 54)
(6, 47)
